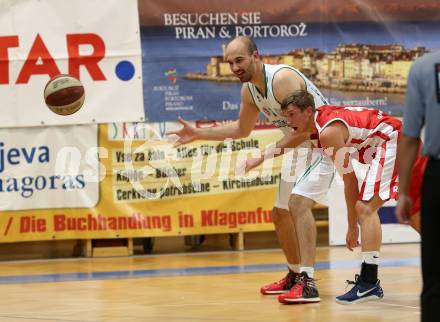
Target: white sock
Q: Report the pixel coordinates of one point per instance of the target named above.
(294, 267)
(371, 257)
(309, 270)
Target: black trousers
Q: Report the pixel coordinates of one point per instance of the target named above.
(430, 234)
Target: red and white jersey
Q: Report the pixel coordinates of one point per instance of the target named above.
(371, 128)
(367, 127)
(374, 135)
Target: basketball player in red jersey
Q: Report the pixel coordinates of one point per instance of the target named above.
(371, 137)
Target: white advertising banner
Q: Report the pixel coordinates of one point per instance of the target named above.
(49, 167)
(96, 41)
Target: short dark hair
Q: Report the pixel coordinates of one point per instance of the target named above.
(249, 42)
(300, 98)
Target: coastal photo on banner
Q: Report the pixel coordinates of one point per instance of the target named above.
(353, 54)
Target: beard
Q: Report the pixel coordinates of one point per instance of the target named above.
(244, 78)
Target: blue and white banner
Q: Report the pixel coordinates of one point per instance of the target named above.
(49, 167)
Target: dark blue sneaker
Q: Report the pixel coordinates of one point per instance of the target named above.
(361, 292)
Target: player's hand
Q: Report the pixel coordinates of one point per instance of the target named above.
(249, 164)
(403, 208)
(186, 134)
(352, 239)
(253, 163)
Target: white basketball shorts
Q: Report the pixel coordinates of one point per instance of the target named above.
(309, 173)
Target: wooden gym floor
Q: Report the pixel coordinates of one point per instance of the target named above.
(209, 287)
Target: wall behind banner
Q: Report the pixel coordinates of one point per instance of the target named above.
(356, 53)
(75, 179)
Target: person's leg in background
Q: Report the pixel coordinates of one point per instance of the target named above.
(414, 222)
(415, 190)
(430, 225)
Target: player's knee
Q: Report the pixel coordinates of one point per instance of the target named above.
(363, 209)
(298, 206)
(277, 215)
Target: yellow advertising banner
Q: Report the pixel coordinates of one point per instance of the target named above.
(149, 188)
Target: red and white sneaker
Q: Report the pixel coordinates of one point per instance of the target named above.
(282, 286)
(304, 291)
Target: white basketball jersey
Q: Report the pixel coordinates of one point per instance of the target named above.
(267, 103)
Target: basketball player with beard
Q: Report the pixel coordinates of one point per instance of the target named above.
(264, 87)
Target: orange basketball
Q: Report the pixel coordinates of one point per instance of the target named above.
(64, 94)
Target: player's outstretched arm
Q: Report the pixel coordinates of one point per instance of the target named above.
(287, 142)
(186, 134)
(234, 130)
(333, 139)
